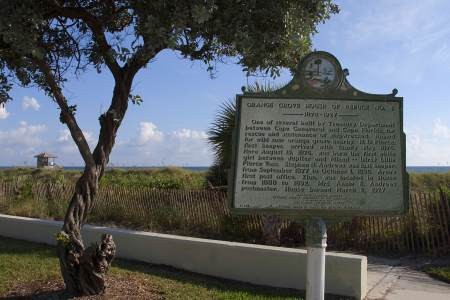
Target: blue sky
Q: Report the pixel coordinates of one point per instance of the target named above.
(385, 44)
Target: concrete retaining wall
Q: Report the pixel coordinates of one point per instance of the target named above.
(272, 266)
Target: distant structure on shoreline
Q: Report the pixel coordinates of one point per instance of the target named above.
(45, 160)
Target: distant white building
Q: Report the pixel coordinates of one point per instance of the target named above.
(45, 160)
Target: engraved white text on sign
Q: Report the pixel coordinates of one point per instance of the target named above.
(319, 154)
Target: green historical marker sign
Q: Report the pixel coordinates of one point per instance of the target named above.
(319, 147)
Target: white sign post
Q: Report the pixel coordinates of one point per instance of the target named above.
(316, 243)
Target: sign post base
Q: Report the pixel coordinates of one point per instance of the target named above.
(316, 243)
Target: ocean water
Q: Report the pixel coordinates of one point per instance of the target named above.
(428, 169)
(80, 168)
(409, 169)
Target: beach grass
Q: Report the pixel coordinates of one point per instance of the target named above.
(160, 178)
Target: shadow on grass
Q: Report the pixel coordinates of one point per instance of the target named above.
(204, 281)
(210, 282)
(13, 246)
(17, 247)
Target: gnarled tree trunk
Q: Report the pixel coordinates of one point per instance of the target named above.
(84, 269)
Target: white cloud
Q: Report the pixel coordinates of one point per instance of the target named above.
(25, 135)
(421, 28)
(66, 143)
(441, 130)
(23, 141)
(415, 26)
(189, 144)
(89, 138)
(153, 147)
(150, 146)
(3, 113)
(148, 132)
(64, 135)
(428, 146)
(184, 134)
(20, 144)
(30, 102)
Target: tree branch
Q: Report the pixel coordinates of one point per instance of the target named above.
(142, 56)
(123, 76)
(75, 42)
(68, 117)
(97, 34)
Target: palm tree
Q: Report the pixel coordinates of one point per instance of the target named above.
(220, 138)
(221, 132)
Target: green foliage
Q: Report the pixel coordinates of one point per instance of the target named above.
(233, 228)
(31, 175)
(430, 181)
(26, 203)
(116, 215)
(439, 272)
(62, 238)
(220, 135)
(135, 99)
(29, 208)
(201, 214)
(42, 41)
(162, 178)
(5, 87)
(71, 35)
(25, 191)
(265, 87)
(71, 109)
(167, 219)
(220, 138)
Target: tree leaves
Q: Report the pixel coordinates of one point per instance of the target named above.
(135, 99)
(72, 35)
(5, 87)
(201, 14)
(72, 109)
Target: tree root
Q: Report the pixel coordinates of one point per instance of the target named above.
(84, 270)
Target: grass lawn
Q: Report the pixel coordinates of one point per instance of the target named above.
(441, 272)
(23, 262)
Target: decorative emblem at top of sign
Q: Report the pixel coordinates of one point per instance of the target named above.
(320, 71)
(320, 75)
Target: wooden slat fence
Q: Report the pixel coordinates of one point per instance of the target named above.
(425, 229)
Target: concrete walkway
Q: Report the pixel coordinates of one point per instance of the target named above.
(395, 279)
